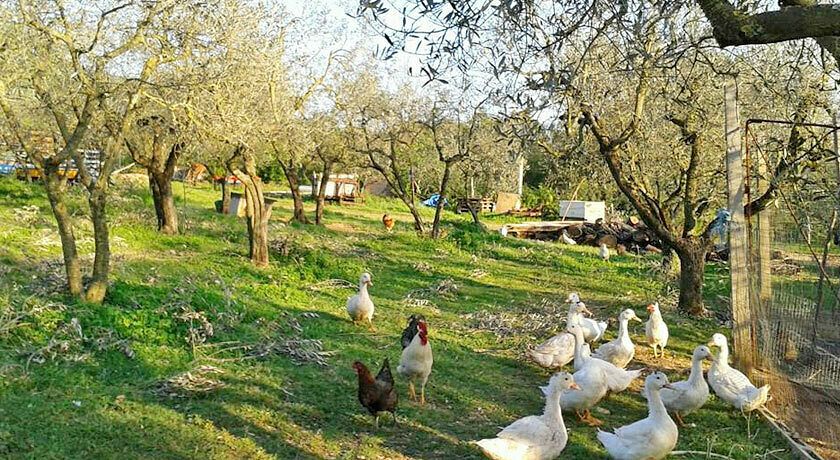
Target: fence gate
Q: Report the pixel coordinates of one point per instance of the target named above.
(793, 179)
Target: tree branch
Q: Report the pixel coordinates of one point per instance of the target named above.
(732, 27)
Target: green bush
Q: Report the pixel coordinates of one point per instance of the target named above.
(541, 197)
(271, 173)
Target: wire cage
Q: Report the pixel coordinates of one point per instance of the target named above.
(793, 179)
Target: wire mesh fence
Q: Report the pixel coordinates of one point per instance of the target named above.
(794, 282)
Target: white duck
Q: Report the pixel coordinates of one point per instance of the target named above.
(593, 386)
(566, 238)
(573, 297)
(730, 384)
(616, 378)
(555, 352)
(592, 330)
(656, 330)
(621, 350)
(651, 438)
(559, 350)
(360, 306)
(537, 437)
(686, 396)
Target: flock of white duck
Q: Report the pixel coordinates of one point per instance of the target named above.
(602, 372)
(596, 375)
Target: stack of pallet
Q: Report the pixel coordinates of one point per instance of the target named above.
(478, 204)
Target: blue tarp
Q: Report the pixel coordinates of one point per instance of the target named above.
(6, 168)
(433, 201)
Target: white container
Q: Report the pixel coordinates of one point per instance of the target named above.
(587, 211)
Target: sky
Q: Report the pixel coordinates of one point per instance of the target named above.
(340, 31)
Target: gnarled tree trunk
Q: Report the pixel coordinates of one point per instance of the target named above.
(322, 192)
(299, 214)
(225, 195)
(257, 212)
(692, 253)
(447, 168)
(55, 187)
(164, 201)
(98, 286)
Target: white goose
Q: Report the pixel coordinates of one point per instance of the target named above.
(686, 396)
(730, 384)
(621, 350)
(592, 381)
(537, 437)
(360, 306)
(617, 379)
(656, 330)
(652, 438)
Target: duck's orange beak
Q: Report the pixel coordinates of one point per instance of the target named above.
(574, 386)
(650, 308)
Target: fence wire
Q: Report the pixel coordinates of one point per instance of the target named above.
(795, 277)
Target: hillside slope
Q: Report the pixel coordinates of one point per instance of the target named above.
(82, 381)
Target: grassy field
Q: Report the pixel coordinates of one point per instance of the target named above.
(83, 381)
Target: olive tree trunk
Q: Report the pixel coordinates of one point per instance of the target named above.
(98, 286)
(257, 213)
(444, 182)
(322, 192)
(225, 195)
(55, 187)
(692, 254)
(164, 201)
(294, 183)
(257, 218)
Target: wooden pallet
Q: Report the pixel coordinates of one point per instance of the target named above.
(479, 204)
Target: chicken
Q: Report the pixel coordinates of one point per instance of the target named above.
(388, 222)
(604, 252)
(416, 361)
(411, 330)
(656, 330)
(360, 306)
(377, 395)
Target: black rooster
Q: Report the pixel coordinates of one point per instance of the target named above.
(377, 395)
(411, 330)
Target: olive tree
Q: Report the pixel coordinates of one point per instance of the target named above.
(77, 75)
(382, 127)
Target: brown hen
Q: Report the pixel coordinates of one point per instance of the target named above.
(377, 394)
(388, 222)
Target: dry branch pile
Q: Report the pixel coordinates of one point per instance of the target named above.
(541, 319)
(192, 383)
(285, 339)
(69, 343)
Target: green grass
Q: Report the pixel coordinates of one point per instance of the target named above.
(87, 402)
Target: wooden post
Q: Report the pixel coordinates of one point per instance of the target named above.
(764, 216)
(738, 270)
(761, 300)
